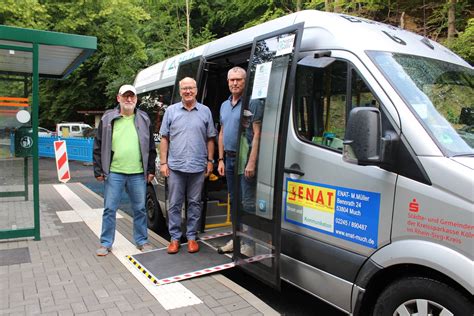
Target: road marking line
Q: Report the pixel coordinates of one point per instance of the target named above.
(170, 296)
(215, 235)
(127, 218)
(68, 217)
(74, 216)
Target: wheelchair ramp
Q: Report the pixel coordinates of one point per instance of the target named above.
(163, 268)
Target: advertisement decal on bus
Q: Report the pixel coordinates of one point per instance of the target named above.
(341, 212)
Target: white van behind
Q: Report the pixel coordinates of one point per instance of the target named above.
(72, 129)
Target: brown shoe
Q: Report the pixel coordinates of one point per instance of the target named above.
(173, 247)
(193, 246)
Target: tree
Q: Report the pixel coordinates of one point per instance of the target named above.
(188, 27)
(463, 45)
(27, 13)
(134, 34)
(131, 36)
(298, 5)
(120, 51)
(328, 5)
(451, 19)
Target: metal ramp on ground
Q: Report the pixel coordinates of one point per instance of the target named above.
(163, 268)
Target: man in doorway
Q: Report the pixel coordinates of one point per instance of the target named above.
(249, 145)
(124, 156)
(228, 136)
(186, 158)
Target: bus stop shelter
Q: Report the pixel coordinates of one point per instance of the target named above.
(26, 55)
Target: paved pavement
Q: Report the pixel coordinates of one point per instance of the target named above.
(60, 274)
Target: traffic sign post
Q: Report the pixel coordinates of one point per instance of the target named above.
(62, 163)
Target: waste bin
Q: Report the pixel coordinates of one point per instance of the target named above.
(24, 141)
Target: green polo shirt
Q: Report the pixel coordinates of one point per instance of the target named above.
(126, 147)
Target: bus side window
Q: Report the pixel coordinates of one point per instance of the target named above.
(320, 112)
(361, 94)
(323, 101)
(155, 103)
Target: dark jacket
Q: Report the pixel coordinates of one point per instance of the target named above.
(103, 142)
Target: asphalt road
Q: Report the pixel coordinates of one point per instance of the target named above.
(289, 301)
(80, 172)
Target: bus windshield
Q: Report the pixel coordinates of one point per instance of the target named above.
(441, 95)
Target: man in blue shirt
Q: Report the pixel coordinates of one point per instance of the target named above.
(228, 135)
(186, 158)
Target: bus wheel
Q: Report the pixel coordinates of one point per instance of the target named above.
(422, 296)
(156, 220)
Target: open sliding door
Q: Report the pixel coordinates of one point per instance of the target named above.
(263, 133)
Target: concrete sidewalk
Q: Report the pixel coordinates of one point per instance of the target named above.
(61, 275)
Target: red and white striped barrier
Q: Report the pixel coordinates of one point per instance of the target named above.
(62, 164)
(193, 274)
(215, 236)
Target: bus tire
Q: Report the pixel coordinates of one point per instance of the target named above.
(156, 220)
(421, 296)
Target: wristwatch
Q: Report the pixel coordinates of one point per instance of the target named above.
(211, 160)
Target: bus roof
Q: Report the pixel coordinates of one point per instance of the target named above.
(322, 31)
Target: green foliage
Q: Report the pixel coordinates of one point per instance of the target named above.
(119, 55)
(233, 15)
(463, 45)
(365, 8)
(131, 35)
(24, 13)
(134, 34)
(270, 14)
(437, 21)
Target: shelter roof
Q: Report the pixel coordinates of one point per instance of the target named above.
(59, 53)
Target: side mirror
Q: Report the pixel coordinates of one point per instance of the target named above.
(467, 116)
(363, 137)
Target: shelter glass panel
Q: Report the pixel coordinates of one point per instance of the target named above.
(16, 146)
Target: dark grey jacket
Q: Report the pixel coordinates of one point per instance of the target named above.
(103, 142)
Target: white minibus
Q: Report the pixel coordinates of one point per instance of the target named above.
(364, 192)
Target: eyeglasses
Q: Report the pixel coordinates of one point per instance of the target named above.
(187, 88)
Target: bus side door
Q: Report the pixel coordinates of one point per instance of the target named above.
(264, 123)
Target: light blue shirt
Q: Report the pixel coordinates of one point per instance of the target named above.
(187, 133)
(230, 119)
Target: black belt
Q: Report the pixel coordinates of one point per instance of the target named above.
(231, 153)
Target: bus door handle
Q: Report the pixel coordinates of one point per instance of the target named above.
(295, 169)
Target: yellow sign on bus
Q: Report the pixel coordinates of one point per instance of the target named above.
(311, 196)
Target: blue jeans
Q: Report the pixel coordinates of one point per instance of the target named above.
(114, 187)
(229, 177)
(248, 193)
(180, 183)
